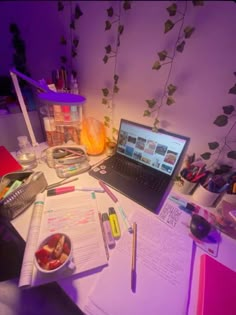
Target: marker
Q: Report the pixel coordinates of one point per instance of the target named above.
(63, 190)
(182, 203)
(107, 229)
(115, 227)
(115, 200)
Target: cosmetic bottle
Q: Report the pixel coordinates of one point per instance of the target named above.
(26, 154)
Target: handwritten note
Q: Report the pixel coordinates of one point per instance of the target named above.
(163, 264)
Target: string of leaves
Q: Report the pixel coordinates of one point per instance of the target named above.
(227, 118)
(111, 51)
(75, 14)
(176, 17)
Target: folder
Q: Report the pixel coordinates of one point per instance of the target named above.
(8, 163)
(217, 288)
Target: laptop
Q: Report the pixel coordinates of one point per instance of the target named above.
(144, 163)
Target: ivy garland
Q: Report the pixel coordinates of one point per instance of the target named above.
(75, 14)
(227, 118)
(164, 58)
(113, 18)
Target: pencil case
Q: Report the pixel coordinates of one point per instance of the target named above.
(67, 160)
(26, 185)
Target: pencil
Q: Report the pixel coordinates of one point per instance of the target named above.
(133, 262)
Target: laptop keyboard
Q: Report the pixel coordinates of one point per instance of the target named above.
(136, 173)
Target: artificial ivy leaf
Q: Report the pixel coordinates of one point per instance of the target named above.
(63, 41)
(170, 100)
(108, 25)
(106, 124)
(127, 5)
(121, 29)
(63, 59)
(221, 120)
(180, 47)
(198, 2)
(75, 42)
(213, 145)
(147, 113)
(105, 92)
(106, 118)
(188, 31)
(116, 78)
(151, 103)
(115, 89)
(72, 24)
(78, 12)
(73, 53)
(162, 55)
(228, 109)
(172, 9)
(104, 101)
(231, 155)
(108, 49)
(233, 90)
(60, 6)
(156, 65)
(105, 59)
(168, 26)
(171, 89)
(110, 12)
(206, 155)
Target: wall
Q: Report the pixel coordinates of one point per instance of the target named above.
(203, 73)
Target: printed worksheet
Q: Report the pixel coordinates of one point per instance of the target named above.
(162, 272)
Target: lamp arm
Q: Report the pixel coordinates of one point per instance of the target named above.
(42, 87)
(23, 106)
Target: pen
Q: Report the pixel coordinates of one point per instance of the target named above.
(115, 200)
(107, 229)
(115, 227)
(133, 261)
(63, 190)
(183, 203)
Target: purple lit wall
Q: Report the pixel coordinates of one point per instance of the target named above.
(203, 73)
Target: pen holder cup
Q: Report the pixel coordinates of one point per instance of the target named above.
(230, 198)
(185, 187)
(205, 197)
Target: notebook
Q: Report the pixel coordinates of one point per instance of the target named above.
(8, 163)
(217, 284)
(144, 163)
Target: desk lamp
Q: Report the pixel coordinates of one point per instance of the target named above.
(44, 94)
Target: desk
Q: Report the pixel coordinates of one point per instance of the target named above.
(78, 288)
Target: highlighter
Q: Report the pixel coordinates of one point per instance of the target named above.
(115, 227)
(108, 233)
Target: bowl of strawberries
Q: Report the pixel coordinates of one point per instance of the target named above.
(54, 253)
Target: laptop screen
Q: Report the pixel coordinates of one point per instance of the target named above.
(159, 150)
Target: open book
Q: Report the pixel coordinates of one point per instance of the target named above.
(74, 215)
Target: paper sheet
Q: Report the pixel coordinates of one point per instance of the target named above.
(163, 265)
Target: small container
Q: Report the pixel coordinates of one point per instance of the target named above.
(26, 154)
(184, 186)
(205, 197)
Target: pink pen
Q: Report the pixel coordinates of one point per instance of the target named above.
(107, 229)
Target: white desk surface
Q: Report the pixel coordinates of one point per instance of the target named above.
(78, 288)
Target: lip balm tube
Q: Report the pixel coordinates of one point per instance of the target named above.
(108, 233)
(115, 227)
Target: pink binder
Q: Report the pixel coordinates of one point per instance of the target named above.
(217, 288)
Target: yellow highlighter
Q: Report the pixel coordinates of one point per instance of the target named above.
(115, 227)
